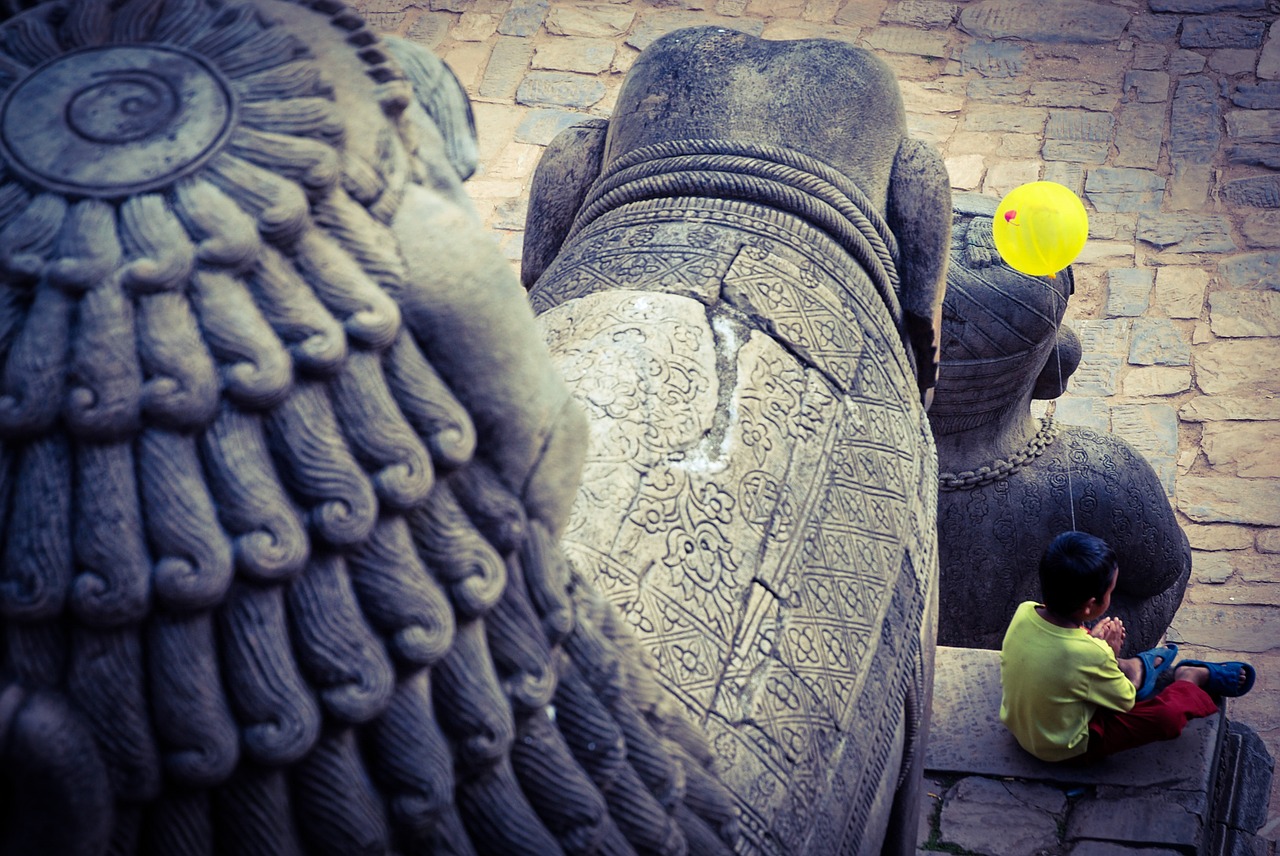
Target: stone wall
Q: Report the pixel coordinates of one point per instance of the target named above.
(1164, 115)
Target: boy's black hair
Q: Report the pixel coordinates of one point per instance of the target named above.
(1075, 568)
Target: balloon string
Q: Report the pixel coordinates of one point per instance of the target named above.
(1071, 493)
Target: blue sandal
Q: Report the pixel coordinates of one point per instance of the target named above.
(1224, 678)
(1151, 672)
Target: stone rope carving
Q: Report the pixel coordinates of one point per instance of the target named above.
(283, 465)
(1002, 469)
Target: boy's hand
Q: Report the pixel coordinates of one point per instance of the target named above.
(1111, 631)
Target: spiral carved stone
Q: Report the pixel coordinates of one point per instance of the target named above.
(283, 468)
(116, 120)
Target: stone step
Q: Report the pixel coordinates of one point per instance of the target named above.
(1204, 793)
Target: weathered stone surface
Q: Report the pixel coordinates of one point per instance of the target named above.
(1139, 133)
(1234, 314)
(507, 65)
(652, 25)
(1148, 86)
(921, 13)
(1085, 95)
(1071, 176)
(1260, 229)
(1238, 366)
(559, 89)
(1150, 381)
(1152, 429)
(1248, 766)
(1269, 61)
(1252, 270)
(966, 171)
(1262, 125)
(993, 60)
(966, 736)
(1222, 31)
(1074, 21)
(1213, 408)
(1149, 57)
(1218, 536)
(575, 53)
(1194, 131)
(1233, 61)
(1207, 7)
(1087, 411)
(905, 40)
(934, 96)
(1020, 120)
(1220, 499)
(1144, 819)
(1128, 291)
(1079, 136)
(1116, 189)
(524, 17)
(429, 29)
(1268, 541)
(598, 21)
(1154, 28)
(1003, 176)
(1255, 154)
(1026, 814)
(1187, 233)
(1258, 192)
(1180, 291)
(474, 27)
(1247, 629)
(1183, 62)
(1158, 342)
(1107, 848)
(1249, 449)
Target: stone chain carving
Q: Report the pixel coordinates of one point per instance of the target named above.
(1002, 469)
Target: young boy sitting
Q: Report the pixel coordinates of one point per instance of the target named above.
(1066, 695)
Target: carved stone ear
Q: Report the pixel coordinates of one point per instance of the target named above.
(441, 96)
(1062, 363)
(918, 210)
(564, 174)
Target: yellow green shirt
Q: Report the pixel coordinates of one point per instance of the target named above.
(1053, 680)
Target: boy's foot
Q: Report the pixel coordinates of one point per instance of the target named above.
(1154, 664)
(1232, 679)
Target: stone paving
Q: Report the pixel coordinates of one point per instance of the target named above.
(1164, 115)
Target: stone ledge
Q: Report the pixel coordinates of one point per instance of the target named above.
(967, 737)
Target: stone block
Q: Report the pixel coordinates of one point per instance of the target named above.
(1190, 186)
(1187, 233)
(1235, 314)
(1210, 408)
(1158, 342)
(575, 53)
(1148, 87)
(1090, 411)
(559, 89)
(1098, 374)
(1152, 429)
(542, 125)
(1262, 125)
(920, 13)
(1262, 191)
(1247, 769)
(1139, 132)
(1103, 337)
(1154, 28)
(1207, 7)
(997, 63)
(1004, 176)
(1128, 291)
(1260, 229)
(1252, 270)
(1005, 120)
(905, 40)
(474, 27)
(967, 737)
(429, 29)
(1257, 96)
(599, 21)
(1145, 819)
(1149, 381)
(931, 97)
(1183, 62)
(652, 25)
(1269, 60)
(1180, 291)
(1238, 366)
(524, 18)
(1079, 136)
(1195, 121)
(1246, 448)
(1070, 176)
(781, 30)
(966, 171)
(1210, 568)
(508, 63)
(1149, 57)
(1232, 61)
(1025, 813)
(1268, 541)
(1108, 848)
(1080, 94)
(1218, 536)
(1116, 189)
(1222, 31)
(1069, 21)
(1238, 628)
(467, 60)
(1225, 499)
(857, 13)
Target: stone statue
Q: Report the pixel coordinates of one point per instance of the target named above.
(738, 275)
(283, 462)
(1009, 482)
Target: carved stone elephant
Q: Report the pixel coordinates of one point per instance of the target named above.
(1011, 483)
(738, 274)
(283, 460)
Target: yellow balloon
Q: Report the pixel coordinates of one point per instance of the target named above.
(1040, 228)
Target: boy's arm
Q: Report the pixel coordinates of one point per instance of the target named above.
(1105, 685)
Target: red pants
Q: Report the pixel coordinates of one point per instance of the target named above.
(1161, 717)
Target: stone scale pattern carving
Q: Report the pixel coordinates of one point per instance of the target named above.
(759, 489)
(280, 571)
